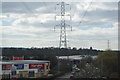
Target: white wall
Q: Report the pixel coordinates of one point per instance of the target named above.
(0, 69)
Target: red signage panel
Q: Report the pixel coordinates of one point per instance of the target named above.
(18, 58)
(36, 66)
(6, 66)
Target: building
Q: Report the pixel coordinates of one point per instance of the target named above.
(24, 69)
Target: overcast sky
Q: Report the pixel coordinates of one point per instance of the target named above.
(31, 24)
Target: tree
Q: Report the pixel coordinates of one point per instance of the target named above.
(107, 62)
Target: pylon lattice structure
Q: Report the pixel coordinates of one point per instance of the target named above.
(108, 44)
(63, 40)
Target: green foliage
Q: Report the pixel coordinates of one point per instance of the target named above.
(107, 61)
(65, 65)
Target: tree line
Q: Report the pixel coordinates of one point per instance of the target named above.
(106, 61)
(38, 52)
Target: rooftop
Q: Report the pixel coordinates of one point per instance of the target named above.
(24, 61)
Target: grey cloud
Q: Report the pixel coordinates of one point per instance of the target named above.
(26, 7)
(94, 18)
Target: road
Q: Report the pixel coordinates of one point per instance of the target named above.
(65, 76)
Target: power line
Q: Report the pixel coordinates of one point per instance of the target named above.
(29, 9)
(85, 12)
(26, 6)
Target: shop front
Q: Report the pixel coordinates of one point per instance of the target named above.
(25, 69)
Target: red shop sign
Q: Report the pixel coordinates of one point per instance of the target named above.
(18, 58)
(35, 66)
(6, 66)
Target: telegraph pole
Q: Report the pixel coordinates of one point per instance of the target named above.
(62, 25)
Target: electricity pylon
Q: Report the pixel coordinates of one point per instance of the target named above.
(63, 24)
(63, 38)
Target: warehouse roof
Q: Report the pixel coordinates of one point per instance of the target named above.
(24, 62)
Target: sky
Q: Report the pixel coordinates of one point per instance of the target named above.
(31, 24)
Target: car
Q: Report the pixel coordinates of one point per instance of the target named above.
(72, 76)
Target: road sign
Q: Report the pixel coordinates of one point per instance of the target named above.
(82, 56)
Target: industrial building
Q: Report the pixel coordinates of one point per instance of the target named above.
(24, 69)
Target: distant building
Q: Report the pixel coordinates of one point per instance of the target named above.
(24, 69)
